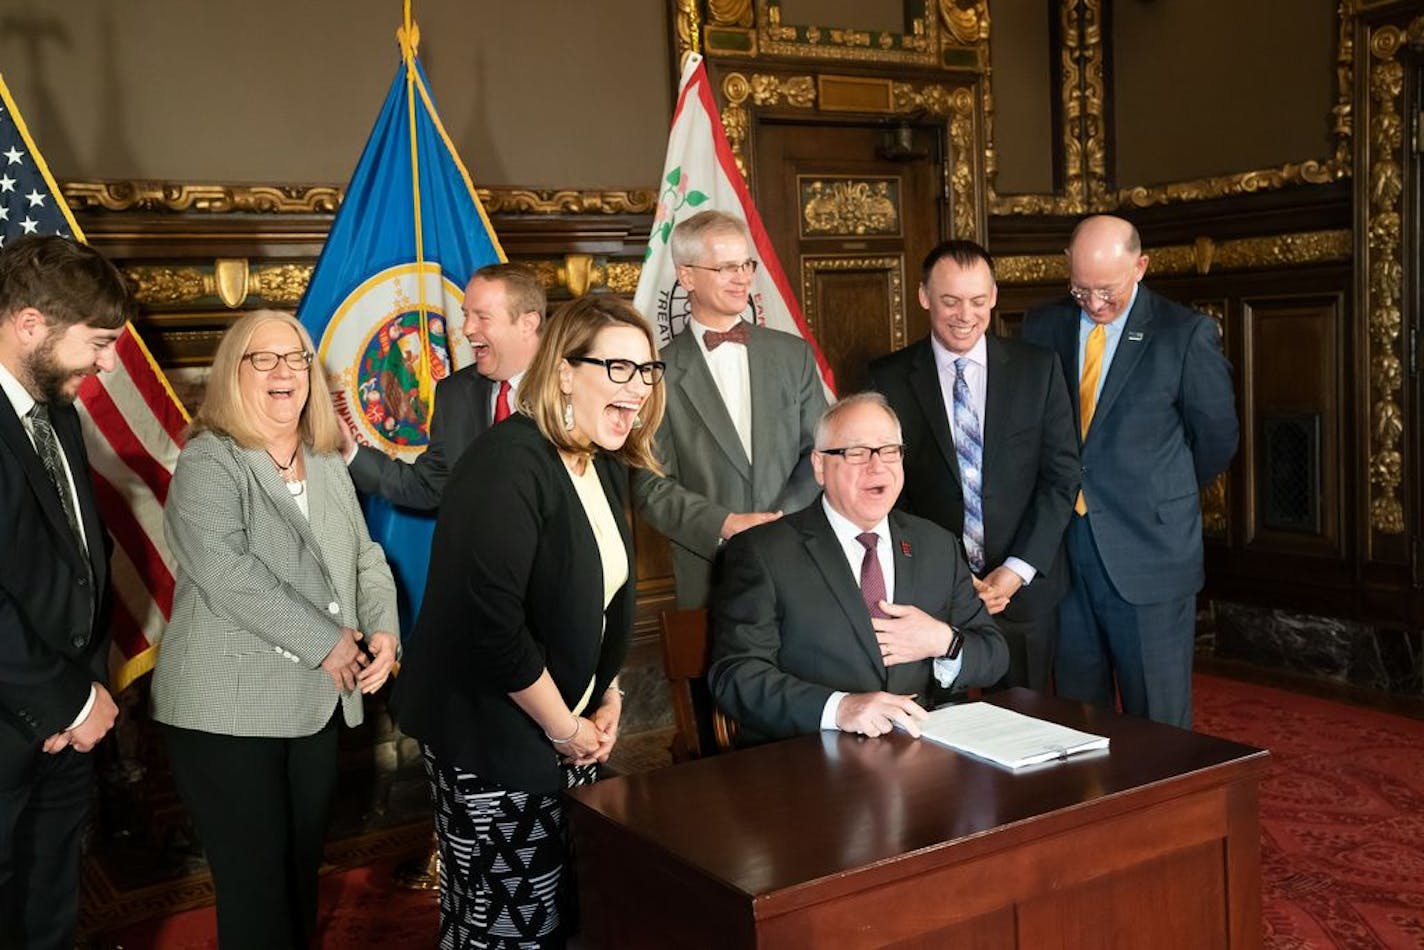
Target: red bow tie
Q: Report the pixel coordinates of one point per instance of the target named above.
(738, 334)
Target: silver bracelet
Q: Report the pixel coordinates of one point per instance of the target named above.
(578, 724)
(618, 690)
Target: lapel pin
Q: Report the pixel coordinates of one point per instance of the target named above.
(1134, 336)
(905, 548)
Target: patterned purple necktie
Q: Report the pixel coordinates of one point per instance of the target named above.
(872, 578)
(969, 448)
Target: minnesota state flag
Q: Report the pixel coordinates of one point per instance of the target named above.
(386, 288)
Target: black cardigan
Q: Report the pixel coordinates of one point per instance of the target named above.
(515, 585)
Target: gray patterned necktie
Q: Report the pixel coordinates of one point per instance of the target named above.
(47, 445)
(969, 447)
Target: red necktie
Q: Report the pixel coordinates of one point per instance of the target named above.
(501, 402)
(714, 338)
(872, 578)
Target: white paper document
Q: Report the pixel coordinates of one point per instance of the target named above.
(1005, 737)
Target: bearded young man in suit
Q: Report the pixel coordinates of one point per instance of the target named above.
(1157, 422)
(839, 616)
(62, 307)
(742, 405)
(990, 451)
(503, 311)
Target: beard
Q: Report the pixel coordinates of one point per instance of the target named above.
(48, 376)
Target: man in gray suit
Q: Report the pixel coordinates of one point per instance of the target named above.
(841, 615)
(742, 405)
(503, 312)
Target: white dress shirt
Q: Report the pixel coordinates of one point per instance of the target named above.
(847, 535)
(976, 374)
(23, 402)
(728, 364)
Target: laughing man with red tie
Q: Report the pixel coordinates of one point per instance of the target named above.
(503, 312)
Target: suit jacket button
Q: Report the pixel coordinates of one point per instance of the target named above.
(334, 607)
(78, 640)
(82, 581)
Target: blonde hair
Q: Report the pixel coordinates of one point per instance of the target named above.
(570, 332)
(223, 411)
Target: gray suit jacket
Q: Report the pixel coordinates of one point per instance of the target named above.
(708, 473)
(462, 414)
(262, 593)
(789, 626)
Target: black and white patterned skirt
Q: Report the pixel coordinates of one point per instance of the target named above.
(505, 877)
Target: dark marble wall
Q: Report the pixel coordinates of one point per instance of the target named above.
(1339, 651)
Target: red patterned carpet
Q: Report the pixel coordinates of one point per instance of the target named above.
(1342, 819)
(1342, 815)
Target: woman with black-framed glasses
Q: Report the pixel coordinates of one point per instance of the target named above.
(511, 684)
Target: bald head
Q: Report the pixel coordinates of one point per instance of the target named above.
(1105, 263)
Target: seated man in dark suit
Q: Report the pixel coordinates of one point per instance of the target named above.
(840, 615)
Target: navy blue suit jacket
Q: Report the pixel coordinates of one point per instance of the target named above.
(1164, 427)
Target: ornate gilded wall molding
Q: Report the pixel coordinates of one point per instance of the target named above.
(1084, 172)
(687, 28)
(956, 103)
(891, 266)
(1383, 269)
(736, 122)
(160, 196)
(796, 91)
(1201, 257)
(920, 45)
(848, 207)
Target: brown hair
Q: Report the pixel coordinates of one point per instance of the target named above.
(64, 280)
(522, 289)
(222, 410)
(570, 332)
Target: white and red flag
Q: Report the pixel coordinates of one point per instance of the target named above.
(133, 424)
(699, 173)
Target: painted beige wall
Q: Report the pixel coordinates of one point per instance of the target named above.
(533, 92)
(1211, 87)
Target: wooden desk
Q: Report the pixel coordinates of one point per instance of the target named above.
(842, 842)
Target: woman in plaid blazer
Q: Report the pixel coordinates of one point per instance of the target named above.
(510, 683)
(278, 587)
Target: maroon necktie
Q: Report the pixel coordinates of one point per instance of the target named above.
(872, 579)
(714, 338)
(501, 402)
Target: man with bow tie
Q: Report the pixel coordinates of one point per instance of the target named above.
(742, 405)
(850, 614)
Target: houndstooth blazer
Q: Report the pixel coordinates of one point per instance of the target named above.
(262, 593)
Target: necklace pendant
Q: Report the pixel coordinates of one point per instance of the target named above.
(296, 487)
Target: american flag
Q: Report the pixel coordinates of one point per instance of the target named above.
(133, 423)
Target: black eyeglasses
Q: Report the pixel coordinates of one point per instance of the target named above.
(728, 271)
(860, 454)
(264, 361)
(621, 371)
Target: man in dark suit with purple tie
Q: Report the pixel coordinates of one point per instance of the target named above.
(844, 614)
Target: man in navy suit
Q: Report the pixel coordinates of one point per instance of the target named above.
(990, 451)
(1157, 422)
(62, 307)
(503, 310)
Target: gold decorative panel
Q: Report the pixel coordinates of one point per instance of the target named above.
(891, 266)
(849, 207)
(1383, 267)
(919, 45)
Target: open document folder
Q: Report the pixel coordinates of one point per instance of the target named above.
(1005, 737)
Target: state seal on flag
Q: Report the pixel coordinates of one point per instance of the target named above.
(384, 353)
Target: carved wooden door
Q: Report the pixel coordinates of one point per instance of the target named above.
(852, 209)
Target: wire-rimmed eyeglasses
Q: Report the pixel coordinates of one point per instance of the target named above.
(728, 271)
(264, 361)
